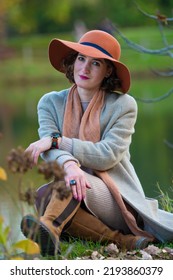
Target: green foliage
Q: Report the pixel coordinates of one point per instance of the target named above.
(46, 16)
(4, 233)
(165, 201)
(59, 16)
(13, 251)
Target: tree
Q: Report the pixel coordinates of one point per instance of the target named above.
(5, 6)
(167, 50)
(38, 16)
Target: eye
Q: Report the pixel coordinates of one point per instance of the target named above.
(96, 63)
(80, 58)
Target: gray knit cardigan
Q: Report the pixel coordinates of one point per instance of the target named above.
(111, 153)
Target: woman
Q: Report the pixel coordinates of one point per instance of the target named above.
(87, 129)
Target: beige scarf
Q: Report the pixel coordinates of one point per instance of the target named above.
(87, 127)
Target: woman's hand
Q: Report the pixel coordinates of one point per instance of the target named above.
(36, 148)
(73, 172)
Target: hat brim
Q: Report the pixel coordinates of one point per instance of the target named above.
(59, 49)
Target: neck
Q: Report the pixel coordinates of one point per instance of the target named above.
(85, 95)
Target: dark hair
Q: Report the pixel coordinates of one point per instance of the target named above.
(109, 84)
(68, 65)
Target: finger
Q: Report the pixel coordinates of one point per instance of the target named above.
(77, 190)
(74, 191)
(36, 156)
(88, 186)
(83, 188)
(71, 187)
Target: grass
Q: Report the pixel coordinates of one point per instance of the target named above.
(165, 201)
(76, 249)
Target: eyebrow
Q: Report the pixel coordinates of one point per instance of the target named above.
(93, 58)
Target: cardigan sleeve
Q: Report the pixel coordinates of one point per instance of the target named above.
(115, 141)
(50, 111)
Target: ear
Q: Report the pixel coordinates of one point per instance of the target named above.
(109, 72)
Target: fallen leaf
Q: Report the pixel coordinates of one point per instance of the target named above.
(16, 258)
(167, 250)
(152, 250)
(112, 249)
(96, 256)
(145, 255)
(3, 174)
(28, 246)
(1, 220)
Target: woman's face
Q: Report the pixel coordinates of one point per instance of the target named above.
(89, 72)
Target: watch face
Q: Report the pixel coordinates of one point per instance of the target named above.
(55, 135)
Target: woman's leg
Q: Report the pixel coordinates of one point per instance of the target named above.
(88, 227)
(101, 203)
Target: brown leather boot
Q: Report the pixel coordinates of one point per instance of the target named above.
(47, 229)
(86, 226)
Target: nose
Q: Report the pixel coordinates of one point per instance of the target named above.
(86, 67)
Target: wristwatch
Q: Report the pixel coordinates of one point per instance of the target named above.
(55, 136)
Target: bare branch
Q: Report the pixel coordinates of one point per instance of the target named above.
(170, 145)
(162, 18)
(164, 39)
(139, 48)
(162, 51)
(154, 100)
(163, 73)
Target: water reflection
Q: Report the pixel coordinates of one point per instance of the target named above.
(151, 157)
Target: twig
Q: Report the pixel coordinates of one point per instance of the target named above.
(163, 73)
(154, 100)
(139, 48)
(164, 39)
(149, 15)
(170, 145)
(160, 20)
(162, 51)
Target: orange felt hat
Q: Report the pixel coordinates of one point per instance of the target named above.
(95, 43)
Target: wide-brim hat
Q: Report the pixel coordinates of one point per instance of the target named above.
(97, 44)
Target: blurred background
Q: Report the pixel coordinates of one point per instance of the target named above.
(26, 28)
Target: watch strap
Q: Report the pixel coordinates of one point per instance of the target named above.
(55, 137)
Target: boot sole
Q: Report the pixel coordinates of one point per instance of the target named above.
(142, 243)
(39, 233)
